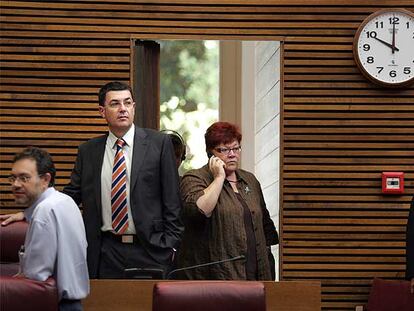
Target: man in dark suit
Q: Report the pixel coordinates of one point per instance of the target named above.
(409, 273)
(150, 229)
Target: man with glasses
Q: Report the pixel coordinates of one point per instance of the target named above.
(127, 184)
(55, 243)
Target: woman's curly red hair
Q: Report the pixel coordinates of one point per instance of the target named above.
(221, 133)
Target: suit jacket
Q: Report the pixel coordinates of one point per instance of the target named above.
(409, 273)
(154, 195)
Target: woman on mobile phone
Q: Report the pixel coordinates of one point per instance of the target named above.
(225, 215)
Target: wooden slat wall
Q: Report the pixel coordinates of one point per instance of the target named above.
(339, 132)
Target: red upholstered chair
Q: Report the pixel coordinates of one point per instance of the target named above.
(390, 295)
(11, 239)
(25, 294)
(21, 293)
(209, 296)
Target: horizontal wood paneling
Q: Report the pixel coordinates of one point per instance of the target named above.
(339, 132)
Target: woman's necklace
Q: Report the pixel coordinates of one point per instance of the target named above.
(233, 184)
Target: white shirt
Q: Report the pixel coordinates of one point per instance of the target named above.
(55, 244)
(106, 178)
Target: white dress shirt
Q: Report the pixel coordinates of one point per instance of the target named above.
(55, 244)
(106, 178)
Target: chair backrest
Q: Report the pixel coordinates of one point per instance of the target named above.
(390, 295)
(11, 238)
(25, 294)
(209, 296)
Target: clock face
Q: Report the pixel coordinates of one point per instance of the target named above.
(384, 47)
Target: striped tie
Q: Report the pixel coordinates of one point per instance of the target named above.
(118, 191)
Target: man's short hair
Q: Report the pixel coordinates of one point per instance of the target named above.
(179, 145)
(112, 86)
(44, 162)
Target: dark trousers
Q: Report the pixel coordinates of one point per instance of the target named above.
(127, 260)
(70, 305)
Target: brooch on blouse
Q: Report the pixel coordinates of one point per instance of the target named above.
(247, 190)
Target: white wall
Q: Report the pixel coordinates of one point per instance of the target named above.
(250, 97)
(260, 116)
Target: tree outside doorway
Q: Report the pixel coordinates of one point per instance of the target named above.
(189, 93)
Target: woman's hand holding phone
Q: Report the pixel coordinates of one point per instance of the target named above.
(217, 167)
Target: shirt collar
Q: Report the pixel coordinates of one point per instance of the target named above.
(239, 178)
(128, 137)
(28, 212)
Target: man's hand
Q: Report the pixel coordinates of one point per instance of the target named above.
(9, 218)
(19, 275)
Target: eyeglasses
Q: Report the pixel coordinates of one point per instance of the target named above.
(226, 151)
(23, 179)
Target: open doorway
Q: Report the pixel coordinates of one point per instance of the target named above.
(249, 94)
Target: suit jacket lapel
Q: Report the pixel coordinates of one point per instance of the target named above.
(97, 170)
(138, 154)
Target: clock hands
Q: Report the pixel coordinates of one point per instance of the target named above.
(393, 47)
(392, 44)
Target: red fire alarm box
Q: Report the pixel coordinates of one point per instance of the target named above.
(392, 182)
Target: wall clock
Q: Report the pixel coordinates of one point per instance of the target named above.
(384, 47)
